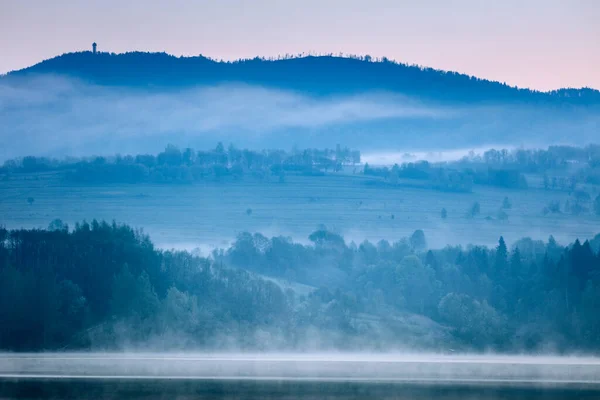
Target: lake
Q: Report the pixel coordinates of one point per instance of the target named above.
(294, 376)
(214, 389)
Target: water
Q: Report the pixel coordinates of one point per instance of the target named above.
(285, 376)
(200, 389)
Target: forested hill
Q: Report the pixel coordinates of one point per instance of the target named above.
(107, 103)
(311, 74)
(105, 287)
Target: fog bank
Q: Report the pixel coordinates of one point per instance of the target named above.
(62, 116)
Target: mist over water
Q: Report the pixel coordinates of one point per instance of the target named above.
(298, 376)
(425, 368)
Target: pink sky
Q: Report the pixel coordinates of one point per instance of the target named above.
(542, 44)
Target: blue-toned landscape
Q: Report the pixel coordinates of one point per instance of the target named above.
(287, 217)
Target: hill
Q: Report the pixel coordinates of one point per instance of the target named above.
(311, 74)
(85, 103)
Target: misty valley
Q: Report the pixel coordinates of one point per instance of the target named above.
(304, 227)
(104, 284)
(208, 197)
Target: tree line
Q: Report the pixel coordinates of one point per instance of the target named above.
(565, 168)
(101, 285)
(449, 178)
(174, 165)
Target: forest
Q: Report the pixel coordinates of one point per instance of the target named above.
(104, 285)
(318, 74)
(174, 165)
(562, 168)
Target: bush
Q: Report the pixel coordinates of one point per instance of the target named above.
(474, 210)
(552, 207)
(475, 321)
(506, 178)
(502, 215)
(417, 240)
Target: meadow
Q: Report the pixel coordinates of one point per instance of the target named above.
(209, 214)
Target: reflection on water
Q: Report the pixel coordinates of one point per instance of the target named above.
(219, 389)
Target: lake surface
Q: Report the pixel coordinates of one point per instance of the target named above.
(219, 389)
(316, 376)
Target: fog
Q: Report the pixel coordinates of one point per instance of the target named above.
(408, 367)
(439, 235)
(62, 116)
(365, 281)
(431, 155)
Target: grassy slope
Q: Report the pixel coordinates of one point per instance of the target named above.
(210, 214)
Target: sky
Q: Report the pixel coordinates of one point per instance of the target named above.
(540, 44)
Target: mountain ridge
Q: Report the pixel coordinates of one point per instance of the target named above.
(138, 102)
(326, 74)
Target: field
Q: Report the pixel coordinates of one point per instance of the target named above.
(210, 214)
